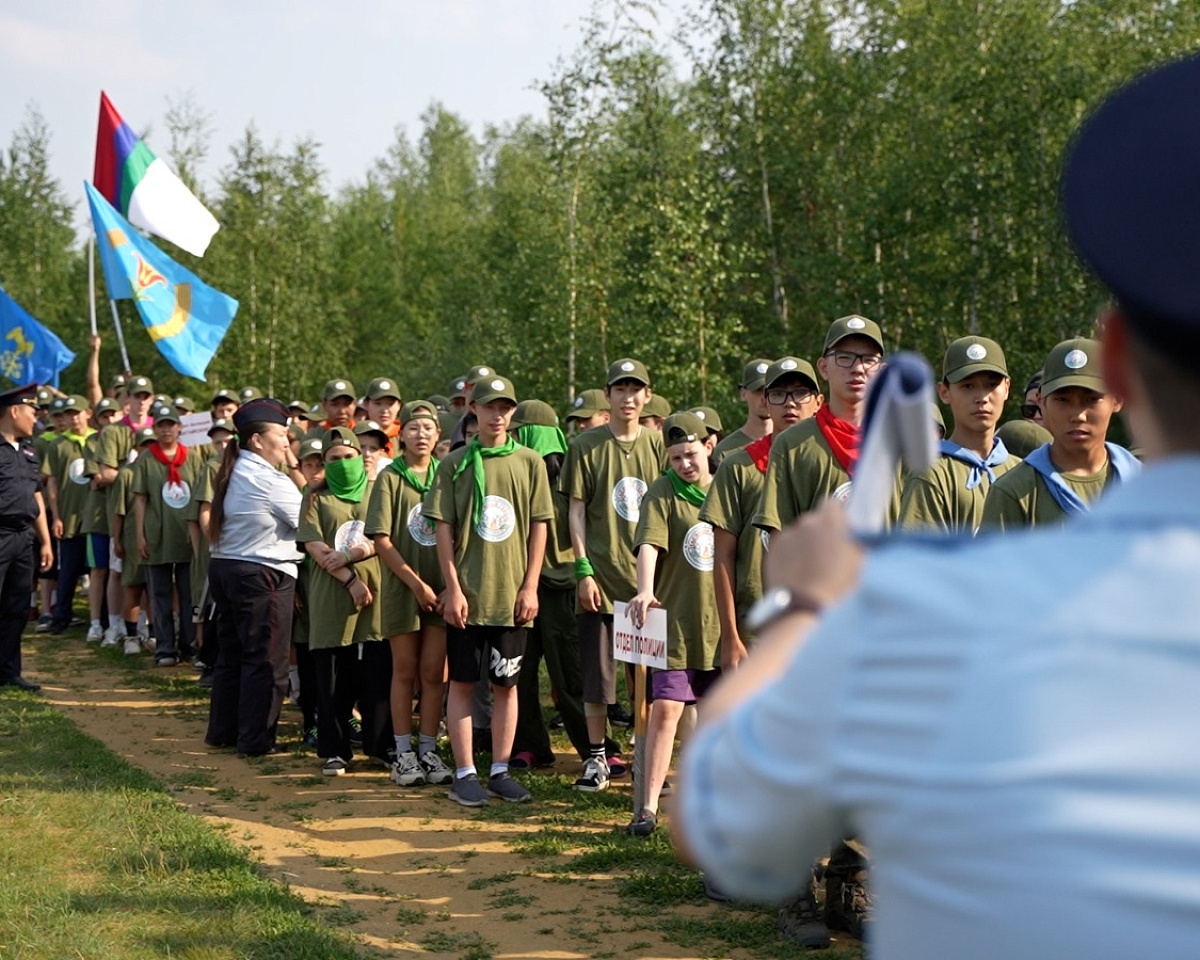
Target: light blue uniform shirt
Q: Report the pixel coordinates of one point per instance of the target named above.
(1010, 725)
(262, 513)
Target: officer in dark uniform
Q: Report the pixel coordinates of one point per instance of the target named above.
(22, 513)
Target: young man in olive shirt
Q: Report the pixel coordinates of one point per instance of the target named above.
(491, 502)
(758, 417)
(949, 496)
(67, 489)
(1064, 477)
(606, 474)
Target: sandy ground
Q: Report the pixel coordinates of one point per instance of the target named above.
(395, 866)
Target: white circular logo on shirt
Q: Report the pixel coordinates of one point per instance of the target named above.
(627, 367)
(627, 498)
(842, 493)
(75, 472)
(855, 323)
(177, 495)
(1075, 360)
(497, 521)
(698, 547)
(421, 528)
(131, 456)
(976, 351)
(350, 534)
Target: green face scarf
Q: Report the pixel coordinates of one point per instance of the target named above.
(686, 491)
(474, 458)
(542, 440)
(347, 478)
(412, 479)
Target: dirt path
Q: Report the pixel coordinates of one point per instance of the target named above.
(407, 870)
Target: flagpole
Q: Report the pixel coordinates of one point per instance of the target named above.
(120, 336)
(92, 280)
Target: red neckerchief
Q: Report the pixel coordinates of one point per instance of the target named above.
(760, 451)
(842, 436)
(173, 464)
(393, 433)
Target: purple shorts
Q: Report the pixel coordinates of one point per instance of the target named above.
(686, 686)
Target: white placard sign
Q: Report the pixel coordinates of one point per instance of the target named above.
(647, 646)
(195, 429)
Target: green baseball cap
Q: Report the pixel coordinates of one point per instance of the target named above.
(754, 374)
(222, 424)
(458, 388)
(185, 404)
(107, 405)
(295, 432)
(709, 417)
(853, 326)
(656, 406)
(494, 388)
(73, 404)
(56, 405)
(117, 382)
(164, 414)
(299, 406)
(370, 426)
(447, 421)
(418, 410)
(338, 388)
(144, 435)
(627, 369)
(341, 436)
(536, 413)
(224, 396)
(970, 355)
(588, 404)
(382, 387)
(790, 367)
(44, 397)
(475, 374)
(312, 447)
(138, 385)
(1022, 437)
(246, 394)
(162, 400)
(683, 428)
(316, 412)
(1073, 363)
(439, 401)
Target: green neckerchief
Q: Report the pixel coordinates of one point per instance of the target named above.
(686, 491)
(347, 478)
(541, 440)
(474, 458)
(79, 438)
(413, 480)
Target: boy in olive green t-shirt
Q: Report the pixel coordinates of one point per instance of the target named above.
(491, 502)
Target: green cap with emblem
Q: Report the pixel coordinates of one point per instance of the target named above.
(144, 435)
(786, 367)
(853, 326)
(709, 417)
(418, 410)
(184, 404)
(754, 374)
(299, 407)
(117, 382)
(1022, 437)
(967, 356)
(535, 413)
(107, 405)
(627, 369)
(221, 424)
(165, 414)
(588, 404)
(341, 436)
(336, 389)
(494, 388)
(364, 427)
(246, 394)
(162, 400)
(683, 428)
(458, 388)
(224, 395)
(1073, 363)
(439, 401)
(312, 447)
(44, 397)
(56, 405)
(448, 420)
(656, 406)
(295, 432)
(382, 387)
(478, 373)
(316, 412)
(139, 385)
(73, 404)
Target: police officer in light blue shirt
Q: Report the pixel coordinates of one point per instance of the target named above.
(1009, 724)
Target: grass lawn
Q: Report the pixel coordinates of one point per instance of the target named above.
(97, 860)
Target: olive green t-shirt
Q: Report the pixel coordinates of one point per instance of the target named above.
(64, 461)
(95, 512)
(611, 476)
(938, 499)
(558, 569)
(683, 576)
(166, 507)
(120, 504)
(395, 510)
(333, 619)
(492, 558)
(1021, 498)
(730, 505)
(734, 441)
(802, 474)
(115, 445)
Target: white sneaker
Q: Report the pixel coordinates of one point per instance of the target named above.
(435, 768)
(407, 771)
(595, 776)
(149, 644)
(95, 633)
(113, 636)
(133, 646)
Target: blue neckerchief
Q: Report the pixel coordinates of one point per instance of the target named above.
(979, 466)
(1124, 464)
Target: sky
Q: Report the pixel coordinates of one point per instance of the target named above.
(344, 73)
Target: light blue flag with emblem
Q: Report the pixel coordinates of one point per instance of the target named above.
(29, 353)
(185, 317)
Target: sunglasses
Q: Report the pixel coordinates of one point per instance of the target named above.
(1030, 410)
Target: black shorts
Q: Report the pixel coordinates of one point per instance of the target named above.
(504, 648)
(596, 657)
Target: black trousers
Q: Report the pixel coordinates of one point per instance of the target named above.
(163, 582)
(254, 630)
(16, 577)
(359, 673)
(72, 565)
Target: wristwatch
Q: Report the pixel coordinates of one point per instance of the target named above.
(776, 603)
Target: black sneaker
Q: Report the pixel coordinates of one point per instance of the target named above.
(643, 824)
(800, 922)
(468, 791)
(556, 722)
(503, 787)
(334, 767)
(618, 716)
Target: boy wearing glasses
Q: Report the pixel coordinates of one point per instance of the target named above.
(791, 394)
(814, 460)
(949, 496)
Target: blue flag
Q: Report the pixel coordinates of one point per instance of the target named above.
(185, 318)
(29, 353)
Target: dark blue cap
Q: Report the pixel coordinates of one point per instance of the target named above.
(266, 410)
(1131, 200)
(26, 394)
